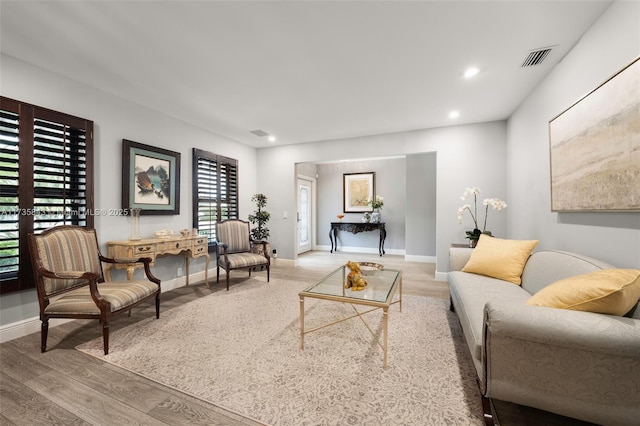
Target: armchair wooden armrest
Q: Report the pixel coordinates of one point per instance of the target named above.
(128, 260)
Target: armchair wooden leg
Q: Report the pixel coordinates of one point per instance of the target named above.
(105, 337)
(268, 270)
(218, 274)
(227, 280)
(158, 306)
(44, 332)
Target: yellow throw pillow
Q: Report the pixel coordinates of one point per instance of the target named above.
(610, 291)
(498, 258)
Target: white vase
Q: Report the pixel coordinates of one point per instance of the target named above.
(376, 216)
(135, 225)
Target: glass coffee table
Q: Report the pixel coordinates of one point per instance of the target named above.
(378, 294)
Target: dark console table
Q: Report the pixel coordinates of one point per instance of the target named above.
(354, 228)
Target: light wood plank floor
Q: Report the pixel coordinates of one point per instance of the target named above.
(64, 386)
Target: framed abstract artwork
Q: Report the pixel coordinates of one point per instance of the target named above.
(595, 148)
(150, 179)
(358, 188)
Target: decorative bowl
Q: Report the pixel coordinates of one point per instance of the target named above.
(369, 268)
(164, 233)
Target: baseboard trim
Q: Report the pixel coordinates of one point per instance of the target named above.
(368, 250)
(24, 328)
(442, 276)
(420, 259)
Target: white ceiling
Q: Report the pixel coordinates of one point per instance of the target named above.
(303, 71)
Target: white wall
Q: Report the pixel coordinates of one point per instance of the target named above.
(421, 195)
(611, 43)
(470, 155)
(116, 119)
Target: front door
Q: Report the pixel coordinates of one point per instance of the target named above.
(304, 227)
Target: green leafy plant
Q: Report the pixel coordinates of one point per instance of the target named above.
(376, 203)
(259, 218)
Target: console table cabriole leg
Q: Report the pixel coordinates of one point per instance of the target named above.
(331, 239)
(186, 268)
(206, 270)
(383, 236)
(301, 323)
(130, 270)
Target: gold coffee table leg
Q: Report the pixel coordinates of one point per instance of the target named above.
(385, 319)
(301, 323)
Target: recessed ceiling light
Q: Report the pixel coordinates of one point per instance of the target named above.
(471, 72)
(272, 138)
(454, 114)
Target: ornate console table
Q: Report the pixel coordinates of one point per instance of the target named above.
(354, 228)
(192, 247)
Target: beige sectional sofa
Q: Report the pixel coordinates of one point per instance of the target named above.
(578, 364)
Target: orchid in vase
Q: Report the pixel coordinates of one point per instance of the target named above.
(495, 203)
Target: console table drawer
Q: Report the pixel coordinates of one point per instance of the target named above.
(144, 249)
(132, 251)
(200, 250)
(177, 245)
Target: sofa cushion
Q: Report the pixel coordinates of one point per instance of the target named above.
(501, 259)
(609, 291)
(469, 294)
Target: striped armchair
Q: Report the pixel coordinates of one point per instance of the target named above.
(67, 267)
(236, 249)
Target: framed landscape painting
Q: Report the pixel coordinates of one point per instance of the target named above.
(595, 148)
(358, 188)
(150, 179)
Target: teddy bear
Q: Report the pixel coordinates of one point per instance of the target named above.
(354, 279)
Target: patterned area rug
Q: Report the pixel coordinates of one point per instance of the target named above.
(240, 350)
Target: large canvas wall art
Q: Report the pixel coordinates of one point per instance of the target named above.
(595, 148)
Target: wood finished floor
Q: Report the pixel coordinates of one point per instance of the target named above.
(66, 387)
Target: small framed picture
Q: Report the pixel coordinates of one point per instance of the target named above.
(358, 189)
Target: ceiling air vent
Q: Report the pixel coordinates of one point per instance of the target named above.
(535, 57)
(260, 133)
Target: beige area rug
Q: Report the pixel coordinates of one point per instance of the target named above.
(240, 350)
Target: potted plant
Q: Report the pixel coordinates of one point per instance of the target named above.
(496, 203)
(259, 218)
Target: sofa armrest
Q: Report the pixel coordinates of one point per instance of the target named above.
(607, 334)
(458, 257)
(577, 364)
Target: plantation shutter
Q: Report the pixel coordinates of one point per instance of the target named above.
(59, 175)
(215, 192)
(46, 170)
(9, 172)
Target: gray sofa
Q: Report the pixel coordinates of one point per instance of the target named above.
(578, 364)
